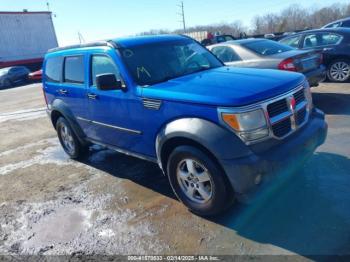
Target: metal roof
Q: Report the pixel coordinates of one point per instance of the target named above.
(23, 13)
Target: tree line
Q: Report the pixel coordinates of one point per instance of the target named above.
(290, 19)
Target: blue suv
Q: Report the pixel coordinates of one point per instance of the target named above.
(215, 131)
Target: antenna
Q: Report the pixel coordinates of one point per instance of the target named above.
(48, 6)
(182, 14)
(81, 38)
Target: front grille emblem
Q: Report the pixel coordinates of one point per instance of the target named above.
(292, 108)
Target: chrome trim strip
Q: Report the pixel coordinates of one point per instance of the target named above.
(271, 121)
(123, 151)
(263, 104)
(111, 126)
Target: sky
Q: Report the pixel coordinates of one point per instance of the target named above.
(103, 19)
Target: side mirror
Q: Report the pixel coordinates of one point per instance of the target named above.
(108, 82)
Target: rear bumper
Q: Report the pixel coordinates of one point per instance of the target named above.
(316, 76)
(285, 156)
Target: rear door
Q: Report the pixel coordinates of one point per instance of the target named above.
(73, 89)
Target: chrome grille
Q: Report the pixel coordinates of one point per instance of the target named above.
(301, 115)
(288, 113)
(282, 128)
(299, 96)
(278, 107)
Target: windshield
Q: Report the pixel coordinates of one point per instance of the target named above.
(4, 71)
(267, 47)
(158, 62)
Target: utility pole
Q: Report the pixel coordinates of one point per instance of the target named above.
(182, 14)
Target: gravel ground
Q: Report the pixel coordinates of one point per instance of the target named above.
(115, 204)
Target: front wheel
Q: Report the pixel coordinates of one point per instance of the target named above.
(339, 71)
(68, 139)
(198, 181)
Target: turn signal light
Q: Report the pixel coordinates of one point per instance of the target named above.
(231, 120)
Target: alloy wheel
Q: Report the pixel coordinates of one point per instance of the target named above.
(195, 180)
(67, 139)
(340, 71)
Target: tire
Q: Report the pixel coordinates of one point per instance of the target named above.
(218, 193)
(69, 140)
(339, 71)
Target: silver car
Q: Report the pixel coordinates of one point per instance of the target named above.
(268, 54)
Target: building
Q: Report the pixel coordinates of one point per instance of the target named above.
(25, 37)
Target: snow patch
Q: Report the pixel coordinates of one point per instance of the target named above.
(24, 115)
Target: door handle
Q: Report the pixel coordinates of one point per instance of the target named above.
(63, 91)
(92, 96)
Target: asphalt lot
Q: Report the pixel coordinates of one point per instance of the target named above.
(115, 204)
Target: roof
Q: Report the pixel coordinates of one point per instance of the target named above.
(245, 41)
(125, 42)
(23, 13)
(144, 40)
(340, 20)
(330, 30)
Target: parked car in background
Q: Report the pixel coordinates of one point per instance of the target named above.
(339, 23)
(268, 54)
(35, 76)
(215, 131)
(11, 76)
(217, 39)
(334, 43)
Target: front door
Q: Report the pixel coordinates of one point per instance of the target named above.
(111, 112)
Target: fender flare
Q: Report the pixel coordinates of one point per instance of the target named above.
(219, 141)
(61, 107)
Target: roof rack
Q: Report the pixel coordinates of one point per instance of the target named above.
(92, 44)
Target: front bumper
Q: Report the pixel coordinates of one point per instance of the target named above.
(285, 156)
(316, 76)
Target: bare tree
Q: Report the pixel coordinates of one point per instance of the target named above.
(292, 18)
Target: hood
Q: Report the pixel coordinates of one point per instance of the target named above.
(226, 86)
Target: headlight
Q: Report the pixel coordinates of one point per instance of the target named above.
(249, 126)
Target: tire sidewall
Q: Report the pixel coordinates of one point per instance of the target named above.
(60, 122)
(220, 190)
(329, 68)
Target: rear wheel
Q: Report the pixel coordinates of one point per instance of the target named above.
(198, 181)
(339, 71)
(68, 139)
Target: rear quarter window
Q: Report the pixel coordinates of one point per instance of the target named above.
(74, 70)
(267, 47)
(53, 69)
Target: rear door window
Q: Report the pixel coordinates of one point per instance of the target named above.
(291, 41)
(321, 39)
(74, 70)
(225, 54)
(267, 47)
(53, 69)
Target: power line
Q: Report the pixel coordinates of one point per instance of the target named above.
(182, 14)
